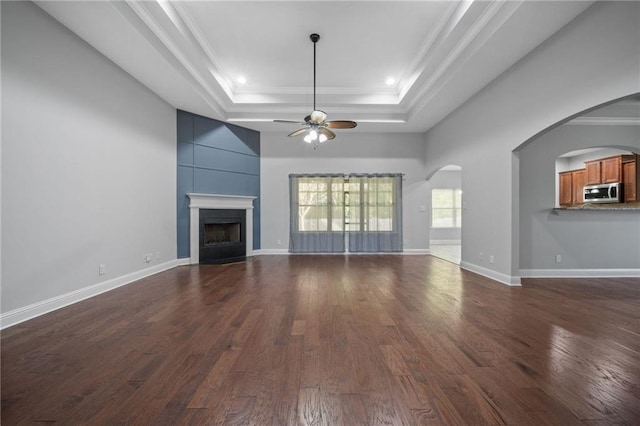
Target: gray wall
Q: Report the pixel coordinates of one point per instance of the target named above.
(349, 152)
(88, 164)
(215, 158)
(592, 60)
(584, 239)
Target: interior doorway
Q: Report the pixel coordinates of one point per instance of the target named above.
(445, 227)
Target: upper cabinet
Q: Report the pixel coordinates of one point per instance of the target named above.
(612, 169)
(593, 173)
(606, 170)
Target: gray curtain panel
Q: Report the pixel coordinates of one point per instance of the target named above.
(375, 210)
(317, 213)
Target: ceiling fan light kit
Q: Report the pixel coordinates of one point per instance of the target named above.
(317, 127)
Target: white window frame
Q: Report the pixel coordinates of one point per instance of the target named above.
(456, 210)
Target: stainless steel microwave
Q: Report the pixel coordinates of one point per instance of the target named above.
(605, 193)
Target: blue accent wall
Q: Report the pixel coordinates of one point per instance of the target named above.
(215, 158)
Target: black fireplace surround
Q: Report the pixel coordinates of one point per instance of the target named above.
(222, 235)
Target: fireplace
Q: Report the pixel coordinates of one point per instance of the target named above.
(222, 236)
(221, 203)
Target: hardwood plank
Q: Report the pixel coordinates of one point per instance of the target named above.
(240, 410)
(216, 377)
(353, 410)
(309, 407)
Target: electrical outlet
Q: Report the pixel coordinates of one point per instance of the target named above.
(148, 257)
(279, 242)
(102, 269)
(492, 259)
(481, 256)
(558, 258)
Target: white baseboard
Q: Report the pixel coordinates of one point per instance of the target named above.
(270, 251)
(185, 261)
(489, 273)
(447, 242)
(286, 252)
(580, 273)
(416, 251)
(16, 316)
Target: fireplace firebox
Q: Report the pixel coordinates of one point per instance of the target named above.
(222, 235)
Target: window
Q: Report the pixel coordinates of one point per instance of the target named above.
(369, 204)
(445, 208)
(351, 204)
(328, 210)
(320, 201)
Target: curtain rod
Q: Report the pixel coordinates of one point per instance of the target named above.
(343, 174)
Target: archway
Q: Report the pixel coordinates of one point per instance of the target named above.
(445, 215)
(570, 238)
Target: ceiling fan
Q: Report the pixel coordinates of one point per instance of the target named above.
(316, 127)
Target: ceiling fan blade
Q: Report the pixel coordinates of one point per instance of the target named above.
(341, 124)
(317, 117)
(289, 121)
(328, 133)
(297, 132)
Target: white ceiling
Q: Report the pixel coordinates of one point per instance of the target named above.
(440, 53)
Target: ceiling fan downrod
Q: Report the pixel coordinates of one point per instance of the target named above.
(314, 38)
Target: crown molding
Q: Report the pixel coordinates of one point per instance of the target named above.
(490, 20)
(415, 70)
(307, 91)
(206, 50)
(604, 121)
(140, 9)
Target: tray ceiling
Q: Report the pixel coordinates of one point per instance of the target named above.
(439, 54)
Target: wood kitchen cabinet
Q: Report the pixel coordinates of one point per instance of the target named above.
(566, 183)
(606, 170)
(578, 178)
(571, 187)
(611, 169)
(631, 178)
(593, 172)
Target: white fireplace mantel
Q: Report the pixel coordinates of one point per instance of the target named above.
(215, 201)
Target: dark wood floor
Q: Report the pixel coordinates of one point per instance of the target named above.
(333, 340)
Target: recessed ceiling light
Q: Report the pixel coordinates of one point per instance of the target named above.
(390, 81)
(241, 80)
